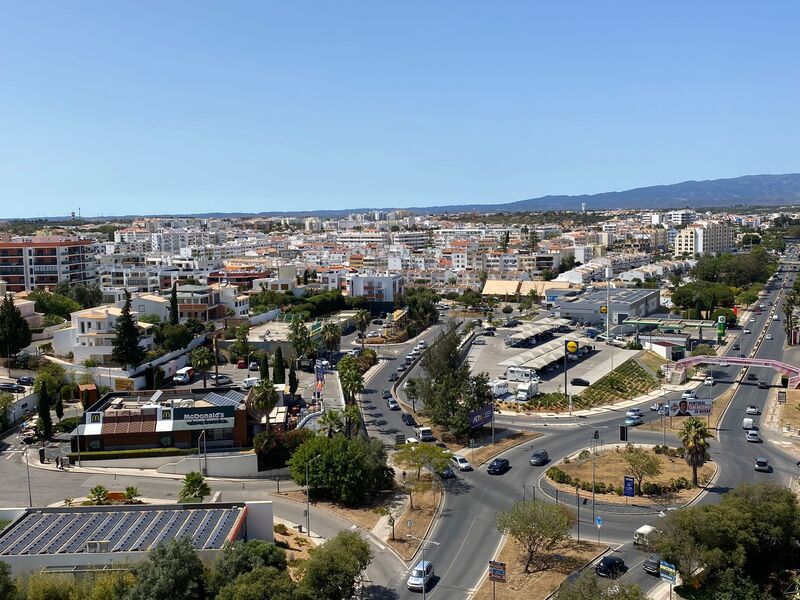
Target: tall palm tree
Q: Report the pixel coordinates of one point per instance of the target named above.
(202, 360)
(331, 338)
(331, 420)
(362, 322)
(352, 382)
(352, 419)
(694, 434)
(264, 396)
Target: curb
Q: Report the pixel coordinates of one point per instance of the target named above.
(434, 521)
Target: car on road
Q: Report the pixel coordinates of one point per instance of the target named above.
(735, 347)
(386, 394)
(498, 466)
(579, 381)
(14, 388)
(763, 385)
(746, 331)
(657, 406)
(460, 463)
(634, 412)
(408, 419)
(752, 377)
(401, 367)
(447, 473)
(539, 458)
(220, 379)
(632, 421)
(392, 404)
(751, 410)
(708, 380)
(420, 576)
(422, 344)
(611, 567)
(25, 380)
(652, 564)
(762, 464)
(768, 336)
(689, 395)
(751, 435)
(393, 377)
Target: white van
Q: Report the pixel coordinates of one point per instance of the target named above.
(249, 382)
(521, 374)
(747, 423)
(184, 375)
(644, 535)
(499, 387)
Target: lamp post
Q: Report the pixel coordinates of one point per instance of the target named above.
(308, 501)
(204, 456)
(422, 542)
(594, 448)
(28, 469)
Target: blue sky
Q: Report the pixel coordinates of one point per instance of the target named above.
(154, 107)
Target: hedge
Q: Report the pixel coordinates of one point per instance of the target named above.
(137, 453)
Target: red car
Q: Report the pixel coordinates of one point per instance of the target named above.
(242, 364)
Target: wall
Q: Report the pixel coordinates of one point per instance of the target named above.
(228, 464)
(259, 520)
(264, 317)
(152, 462)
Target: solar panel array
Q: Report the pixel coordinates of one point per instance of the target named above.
(231, 398)
(54, 531)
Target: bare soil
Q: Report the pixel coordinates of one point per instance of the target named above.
(364, 516)
(426, 503)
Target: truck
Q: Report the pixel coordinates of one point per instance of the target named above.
(184, 375)
(499, 387)
(424, 434)
(526, 391)
(644, 535)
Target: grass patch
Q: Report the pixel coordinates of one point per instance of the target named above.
(364, 516)
(627, 381)
(139, 453)
(652, 361)
(790, 411)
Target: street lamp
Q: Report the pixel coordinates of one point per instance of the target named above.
(594, 451)
(28, 469)
(204, 455)
(422, 542)
(308, 502)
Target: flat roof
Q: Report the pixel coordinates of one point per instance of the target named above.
(133, 528)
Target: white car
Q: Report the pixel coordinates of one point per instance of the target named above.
(460, 463)
(751, 435)
(708, 381)
(420, 576)
(220, 380)
(634, 412)
(745, 331)
(751, 410)
(412, 440)
(769, 336)
(752, 319)
(689, 395)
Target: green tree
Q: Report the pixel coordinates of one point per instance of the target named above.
(53, 304)
(172, 571)
(334, 569)
(351, 379)
(362, 322)
(262, 583)
(241, 557)
(109, 586)
(331, 338)
(539, 527)
(194, 486)
(45, 421)
(50, 375)
(416, 457)
(6, 400)
(88, 296)
(174, 314)
(590, 587)
(202, 360)
(98, 495)
(294, 383)
(42, 586)
(352, 419)
(126, 349)
(263, 369)
(241, 347)
(8, 589)
(59, 408)
(641, 464)
(331, 421)
(694, 435)
(14, 331)
(264, 397)
(300, 338)
(176, 337)
(278, 368)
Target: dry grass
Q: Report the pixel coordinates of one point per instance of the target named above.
(297, 546)
(536, 586)
(485, 453)
(652, 361)
(790, 411)
(611, 468)
(364, 516)
(426, 503)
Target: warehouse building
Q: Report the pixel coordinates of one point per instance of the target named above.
(626, 302)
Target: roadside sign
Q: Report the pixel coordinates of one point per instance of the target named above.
(571, 346)
(667, 572)
(399, 439)
(598, 521)
(629, 488)
(497, 571)
(781, 396)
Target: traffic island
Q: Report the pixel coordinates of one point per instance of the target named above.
(538, 585)
(670, 487)
(505, 439)
(416, 519)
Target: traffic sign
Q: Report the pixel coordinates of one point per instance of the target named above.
(598, 521)
(604, 309)
(629, 488)
(497, 571)
(667, 572)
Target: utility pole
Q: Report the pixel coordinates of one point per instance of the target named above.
(308, 502)
(594, 448)
(422, 542)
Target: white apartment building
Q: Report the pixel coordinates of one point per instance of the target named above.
(375, 287)
(411, 239)
(705, 237)
(357, 238)
(683, 216)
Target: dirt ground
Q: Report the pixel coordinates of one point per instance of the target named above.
(652, 361)
(537, 586)
(365, 516)
(486, 453)
(610, 467)
(790, 411)
(425, 505)
(296, 545)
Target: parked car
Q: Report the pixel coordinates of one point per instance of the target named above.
(751, 410)
(401, 367)
(763, 385)
(241, 364)
(25, 380)
(479, 342)
(392, 404)
(498, 466)
(460, 463)
(408, 419)
(539, 458)
(652, 564)
(611, 567)
(634, 412)
(762, 464)
(579, 381)
(14, 388)
(377, 322)
(489, 333)
(220, 379)
(632, 421)
(420, 576)
(249, 382)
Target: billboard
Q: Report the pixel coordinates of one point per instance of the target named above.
(481, 416)
(690, 408)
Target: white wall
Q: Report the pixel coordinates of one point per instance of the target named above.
(239, 464)
(259, 520)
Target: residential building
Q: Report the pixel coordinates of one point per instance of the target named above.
(705, 237)
(375, 287)
(28, 263)
(199, 302)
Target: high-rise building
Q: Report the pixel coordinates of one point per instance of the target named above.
(27, 263)
(704, 237)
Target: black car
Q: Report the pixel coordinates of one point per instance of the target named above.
(386, 394)
(498, 466)
(752, 377)
(393, 377)
(539, 458)
(447, 473)
(611, 567)
(377, 322)
(579, 381)
(25, 381)
(408, 419)
(489, 333)
(735, 347)
(14, 388)
(652, 564)
(763, 385)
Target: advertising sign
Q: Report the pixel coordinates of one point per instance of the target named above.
(690, 408)
(629, 488)
(482, 416)
(200, 418)
(571, 346)
(123, 384)
(668, 573)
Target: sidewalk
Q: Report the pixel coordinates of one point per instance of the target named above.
(661, 592)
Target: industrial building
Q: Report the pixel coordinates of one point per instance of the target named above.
(626, 302)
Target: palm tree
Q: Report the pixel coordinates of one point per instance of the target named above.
(194, 486)
(98, 495)
(331, 420)
(362, 322)
(202, 360)
(352, 419)
(331, 337)
(694, 436)
(131, 494)
(352, 382)
(264, 396)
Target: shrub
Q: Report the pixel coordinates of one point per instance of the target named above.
(681, 483)
(138, 453)
(584, 454)
(507, 309)
(651, 488)
(618, 491)
(559, 476)
(280, 528)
